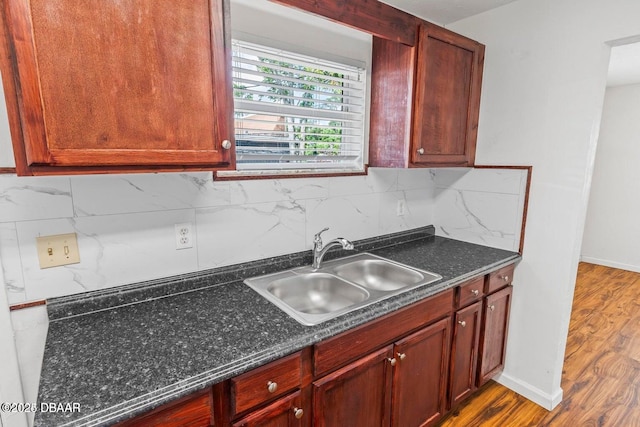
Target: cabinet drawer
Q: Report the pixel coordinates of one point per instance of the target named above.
(191, 411)
(337, 351)
(282, 412)
(265, 383)
(470, 292)
(499, 279)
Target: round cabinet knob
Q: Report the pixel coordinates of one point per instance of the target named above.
(298, 413)
(392, 361)
(420, 150)
(475, 292)
(492, 307)
(272, 386)
(226, 144)
(462, 323)
(505, 278)
(402, 356)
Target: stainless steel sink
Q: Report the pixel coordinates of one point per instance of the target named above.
(316, 293)
(340, 286)
(379, 274)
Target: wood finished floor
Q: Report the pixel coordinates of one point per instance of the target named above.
(601, 375)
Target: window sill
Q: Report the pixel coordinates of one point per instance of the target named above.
(247, 175)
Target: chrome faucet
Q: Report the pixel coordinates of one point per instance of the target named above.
(319, 251)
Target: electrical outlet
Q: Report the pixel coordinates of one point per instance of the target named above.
(184, 235)
(401, 207)
(60, 249)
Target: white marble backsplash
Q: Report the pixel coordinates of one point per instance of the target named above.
(125, 223)
(483, 206)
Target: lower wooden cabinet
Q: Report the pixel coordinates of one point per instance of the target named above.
(358, 394)
(420, 376)
(464, 353)
(493, 343)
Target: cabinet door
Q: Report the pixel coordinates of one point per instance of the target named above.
(464, 353)
(420, 376)
(447, 98)
(494, 335)
(286, 412)
(128, 83)
(358, 394)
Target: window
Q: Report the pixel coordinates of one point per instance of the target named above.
(295, 113)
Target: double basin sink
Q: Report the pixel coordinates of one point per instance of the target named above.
(340, 286)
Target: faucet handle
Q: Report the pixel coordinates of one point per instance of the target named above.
(317, 238)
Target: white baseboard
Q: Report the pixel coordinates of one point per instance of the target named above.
(534, 394)
(612, 264)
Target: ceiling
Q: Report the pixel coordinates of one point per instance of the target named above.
(444, 12)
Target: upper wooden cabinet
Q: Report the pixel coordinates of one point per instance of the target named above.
(447, 98)
(103, 85)
(425, 100)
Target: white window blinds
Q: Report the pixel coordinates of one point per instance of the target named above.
(296, 113)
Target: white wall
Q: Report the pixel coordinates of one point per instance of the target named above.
(10, 384)
(543, 88)
(612, 228)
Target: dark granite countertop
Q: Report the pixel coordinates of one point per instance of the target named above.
(124, 351)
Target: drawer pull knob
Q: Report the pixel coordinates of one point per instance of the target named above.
(401, 356)
(492, 307)
(226, 144)
(462, 323)
(298, 413)
(505, 278)
(475, 292)
(420, 150)
(392, 361)
(272, 386)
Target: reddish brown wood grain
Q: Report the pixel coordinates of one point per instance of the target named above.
(420, 377)
(391, 99)
(27, 305)
(499, 279)
(470, 291)
(191, 411)
(464, 353)
(280, 413)
(493, 338)
(336, 351)
(251, 389)
(7, 62)
(119, 85)
(371, 16)
(447, 98)
(359, 394)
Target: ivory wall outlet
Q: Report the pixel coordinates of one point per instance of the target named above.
(61, 249)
